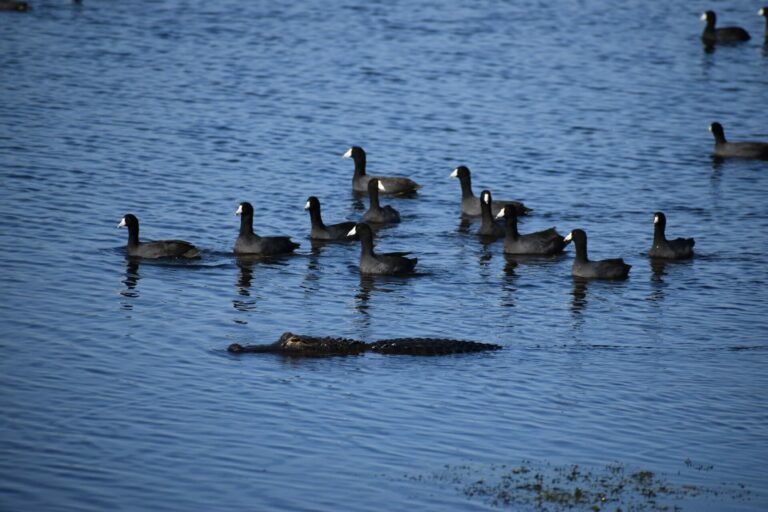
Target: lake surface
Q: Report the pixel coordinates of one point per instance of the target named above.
(116, 388)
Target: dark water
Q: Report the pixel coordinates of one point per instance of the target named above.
(117, 392)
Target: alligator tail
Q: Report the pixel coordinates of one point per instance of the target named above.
(429, 346)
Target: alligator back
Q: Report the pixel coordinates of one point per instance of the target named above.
(428, 346)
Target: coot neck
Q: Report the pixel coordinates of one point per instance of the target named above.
(466, 187)
(658, 232)
(720, 137)
(314, 215)
(373, 194)
(512, 232)
(366, 242)
(246, 223)
(133, 234)
(485, 210)
(580, 245)
(359, 159)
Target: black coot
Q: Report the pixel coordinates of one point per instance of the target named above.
(712, 35)
(677, 249)
(725, 149)
(545, 242)
(381, 264)
(319, 230)
(393, 184)
(602, 269)
(489, 227)
(378, 214)
(249, 242)
(470, 205)
(156, 249)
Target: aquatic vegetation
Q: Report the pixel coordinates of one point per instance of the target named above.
(614, 487)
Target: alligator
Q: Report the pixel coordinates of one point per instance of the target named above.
(298, 345)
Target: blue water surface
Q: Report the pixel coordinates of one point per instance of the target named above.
(116, 388)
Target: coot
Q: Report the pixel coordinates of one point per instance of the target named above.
(319, 230)
(249, 242)
(470, 205)
(489, 227)
(156, 249)
(381, 264)
(393, 184)
(545, 242)
(712, 35)
(602, 269)
(376, 213)
(677, 249)
(725, 149)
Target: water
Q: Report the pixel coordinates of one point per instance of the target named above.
(117, 391)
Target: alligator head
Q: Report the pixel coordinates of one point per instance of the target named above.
(291, 344)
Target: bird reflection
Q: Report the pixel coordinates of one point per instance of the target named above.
(579, 292)
(370, 284)
(311, 278)
(131, 280)
(510, 265)
(363, 295)
(464, 224)
(658, 269)
(245, 276)
(244, 280)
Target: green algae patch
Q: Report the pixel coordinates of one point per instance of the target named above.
(614, 488)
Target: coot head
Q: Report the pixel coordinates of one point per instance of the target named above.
(717, 130)
(460, 172)
(362, 230)
(354, 152)
(244, 209)
(357, 154)
(577, 236)
(129, 220)
(710, 17)
(313, 203)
